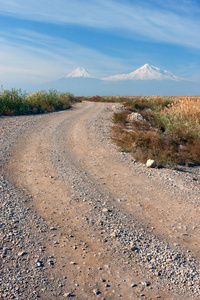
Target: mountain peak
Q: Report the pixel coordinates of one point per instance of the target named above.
(78, 72)
(146, 66)
(146, 72)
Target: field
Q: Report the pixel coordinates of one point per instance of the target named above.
(166, 129)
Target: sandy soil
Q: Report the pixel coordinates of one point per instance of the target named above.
(119, 230)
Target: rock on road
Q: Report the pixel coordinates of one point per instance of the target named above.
(82, 220)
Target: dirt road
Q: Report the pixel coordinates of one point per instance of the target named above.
(118, 229)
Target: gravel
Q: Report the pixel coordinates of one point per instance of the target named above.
(26, 268)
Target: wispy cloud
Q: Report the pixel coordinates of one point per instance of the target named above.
(26, 54)
(36, 53)
(165, 21)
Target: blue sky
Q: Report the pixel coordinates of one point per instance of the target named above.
(42, 40)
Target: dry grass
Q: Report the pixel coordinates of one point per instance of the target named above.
(173, 136)
(109, 99)
(182, 119)
(120, 118)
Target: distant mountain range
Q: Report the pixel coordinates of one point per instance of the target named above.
(145, 72)
(146, 80)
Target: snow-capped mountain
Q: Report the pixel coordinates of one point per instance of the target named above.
(147, 80)
(146, 72)
(77, 73)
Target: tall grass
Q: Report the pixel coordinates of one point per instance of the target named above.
(16, 102)
(173, 133)
(182, 119)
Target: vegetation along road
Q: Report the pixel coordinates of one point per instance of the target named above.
(82, 220)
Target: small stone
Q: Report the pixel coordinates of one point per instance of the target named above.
(134, 248)
(157, 273)
(5, 250)
(134, 285)
(22, 253)
(53, 228)
(151, 163)
(96, 292)
(105, 210)
(146, 283)
(67, 295)
(118, 108)
(50, 262)
(107, 266)
(136, 117)
(113, 234)
(39, 264)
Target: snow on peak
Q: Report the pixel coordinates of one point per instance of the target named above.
(79, 72)
(146, 72)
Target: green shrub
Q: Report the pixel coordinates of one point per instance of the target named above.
(14, 102)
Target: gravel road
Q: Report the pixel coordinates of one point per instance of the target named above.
(81, 220)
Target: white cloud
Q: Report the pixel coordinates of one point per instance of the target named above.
(45, 58)
(161, 21)
(29, 56)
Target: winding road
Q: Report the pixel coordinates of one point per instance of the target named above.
(121, 230)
